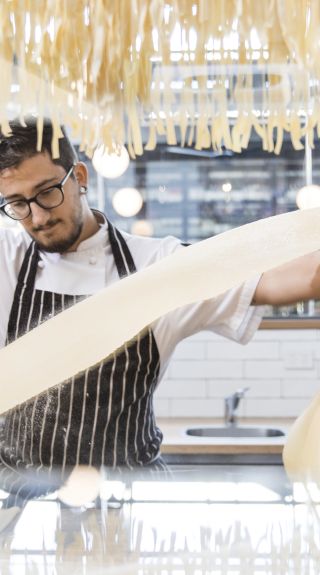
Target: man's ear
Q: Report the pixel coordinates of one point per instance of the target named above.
(81, 175)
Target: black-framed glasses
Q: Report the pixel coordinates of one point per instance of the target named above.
(47, 199)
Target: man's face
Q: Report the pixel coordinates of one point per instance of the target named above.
(57, 229)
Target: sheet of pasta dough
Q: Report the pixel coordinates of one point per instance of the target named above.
(93, 329)
(301, 453)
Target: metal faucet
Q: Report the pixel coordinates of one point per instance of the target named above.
(231, 404)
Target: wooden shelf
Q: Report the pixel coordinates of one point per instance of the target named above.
(290, 323)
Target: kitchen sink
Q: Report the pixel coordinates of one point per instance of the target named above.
(235, 431)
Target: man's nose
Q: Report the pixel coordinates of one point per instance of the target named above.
(39, 215)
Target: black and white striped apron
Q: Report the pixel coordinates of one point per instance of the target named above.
(103, 416)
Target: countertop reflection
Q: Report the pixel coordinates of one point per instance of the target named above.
(187, 519)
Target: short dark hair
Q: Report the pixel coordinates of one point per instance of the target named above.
(21, 144)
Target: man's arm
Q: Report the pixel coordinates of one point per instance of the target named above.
(295, 281)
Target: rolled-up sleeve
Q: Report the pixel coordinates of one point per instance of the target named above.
(235, 317)
(230, 315)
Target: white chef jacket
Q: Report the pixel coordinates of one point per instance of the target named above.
(91, 267)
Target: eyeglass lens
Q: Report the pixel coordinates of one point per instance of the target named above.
(46, 199)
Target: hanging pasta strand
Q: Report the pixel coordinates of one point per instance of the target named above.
(198, 72)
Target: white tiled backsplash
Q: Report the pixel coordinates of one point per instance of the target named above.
(281, 368)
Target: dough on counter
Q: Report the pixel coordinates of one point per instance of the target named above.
(301, 453)
(81, 487)
(95, 328)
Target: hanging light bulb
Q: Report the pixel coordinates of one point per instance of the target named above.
(308, 197)
(110, 164)
(227, 187)
(127, 202)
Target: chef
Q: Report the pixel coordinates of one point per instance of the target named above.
(64, 252)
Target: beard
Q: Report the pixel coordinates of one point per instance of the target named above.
(60, 244)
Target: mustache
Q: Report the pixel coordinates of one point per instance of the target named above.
(46, 226)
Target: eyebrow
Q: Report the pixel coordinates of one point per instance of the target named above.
(36, 187)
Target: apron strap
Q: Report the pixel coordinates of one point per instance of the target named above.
(24, 289)
(121, 253)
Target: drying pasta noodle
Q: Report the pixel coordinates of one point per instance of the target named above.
(176, 66)
(83, 335)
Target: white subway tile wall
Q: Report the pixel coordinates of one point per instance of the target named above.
(281, 368)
